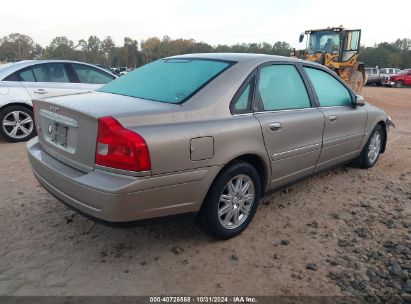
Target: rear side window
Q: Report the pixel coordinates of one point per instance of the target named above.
(330, 91)
(281, 87)
(50, 72)
(27, 76)
(12, 77)
(167, 80)
(242, 104)
(87, 74)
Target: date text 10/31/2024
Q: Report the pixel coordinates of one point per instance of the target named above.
(203, 299)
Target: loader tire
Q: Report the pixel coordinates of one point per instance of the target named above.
(357, 82)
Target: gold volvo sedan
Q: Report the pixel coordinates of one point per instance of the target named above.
(200, 133)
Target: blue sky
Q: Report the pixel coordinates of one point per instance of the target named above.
(212, 21)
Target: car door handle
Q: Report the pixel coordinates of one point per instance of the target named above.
(275, 126)
(40, 91)
(332, 117)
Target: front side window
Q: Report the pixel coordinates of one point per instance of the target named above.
(281, 87)
(50, 72)
(167, 80)
(330, 91)
(87, 74)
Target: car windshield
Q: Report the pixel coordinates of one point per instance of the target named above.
(324, 41)
(167, 80)
(403, 72)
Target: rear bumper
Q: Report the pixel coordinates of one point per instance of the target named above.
(117, 198)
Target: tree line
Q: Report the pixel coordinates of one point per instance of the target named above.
(133, 53)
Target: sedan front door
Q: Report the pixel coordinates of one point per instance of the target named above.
(291, 126)
(344, 122)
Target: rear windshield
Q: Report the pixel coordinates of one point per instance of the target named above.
(167, 80)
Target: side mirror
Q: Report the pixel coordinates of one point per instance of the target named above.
(301, 37)
(359, 101)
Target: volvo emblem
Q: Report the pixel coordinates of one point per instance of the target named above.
(50, 129)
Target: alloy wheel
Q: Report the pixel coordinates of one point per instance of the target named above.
(18, 124)
(236, 201)
(374, 147)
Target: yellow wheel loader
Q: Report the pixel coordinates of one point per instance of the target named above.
(337, 48)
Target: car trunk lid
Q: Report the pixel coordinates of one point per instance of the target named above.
(67, 125)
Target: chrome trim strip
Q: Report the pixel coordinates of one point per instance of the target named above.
(59, 118)
(296, 152)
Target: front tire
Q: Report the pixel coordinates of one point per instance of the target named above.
(17, 123)
(231, 201)
(372, 148)
(399, 84)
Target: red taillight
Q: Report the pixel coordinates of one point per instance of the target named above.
(120, 148)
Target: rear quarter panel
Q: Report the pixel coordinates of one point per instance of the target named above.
(169, 144)
(13, 92)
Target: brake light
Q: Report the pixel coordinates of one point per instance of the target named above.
(120, 148)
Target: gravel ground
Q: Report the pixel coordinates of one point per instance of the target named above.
(346, 231)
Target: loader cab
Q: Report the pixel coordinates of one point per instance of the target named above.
(340, 43)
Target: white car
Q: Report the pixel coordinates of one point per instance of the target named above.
(22, 81)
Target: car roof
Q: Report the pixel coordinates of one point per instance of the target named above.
(10, 68)
(238, 57)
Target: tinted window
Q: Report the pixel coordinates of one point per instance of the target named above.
(330, 91)
(281, 87)
(12, 77)
(27, 76)
(167, 80)
(241, 105)
(87, 74)
(50, 72)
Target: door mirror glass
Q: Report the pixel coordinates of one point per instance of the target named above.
(301, 37)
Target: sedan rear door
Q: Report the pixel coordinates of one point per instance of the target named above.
(89, 78)
(292, 127)
(47, 80)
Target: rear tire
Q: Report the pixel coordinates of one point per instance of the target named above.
(399, 84)
(231, 202)
(372, 149)
(17, 123)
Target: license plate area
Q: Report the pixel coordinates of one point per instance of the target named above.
(58, 133)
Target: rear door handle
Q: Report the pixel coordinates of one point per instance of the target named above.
(275, 126)
(40, 91)
(332, 117)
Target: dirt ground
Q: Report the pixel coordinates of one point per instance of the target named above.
(345, 221)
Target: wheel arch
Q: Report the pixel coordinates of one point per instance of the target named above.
(253, 159)
(21, 104)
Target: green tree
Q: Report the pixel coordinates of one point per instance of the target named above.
(17, 47)
(61, 48)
